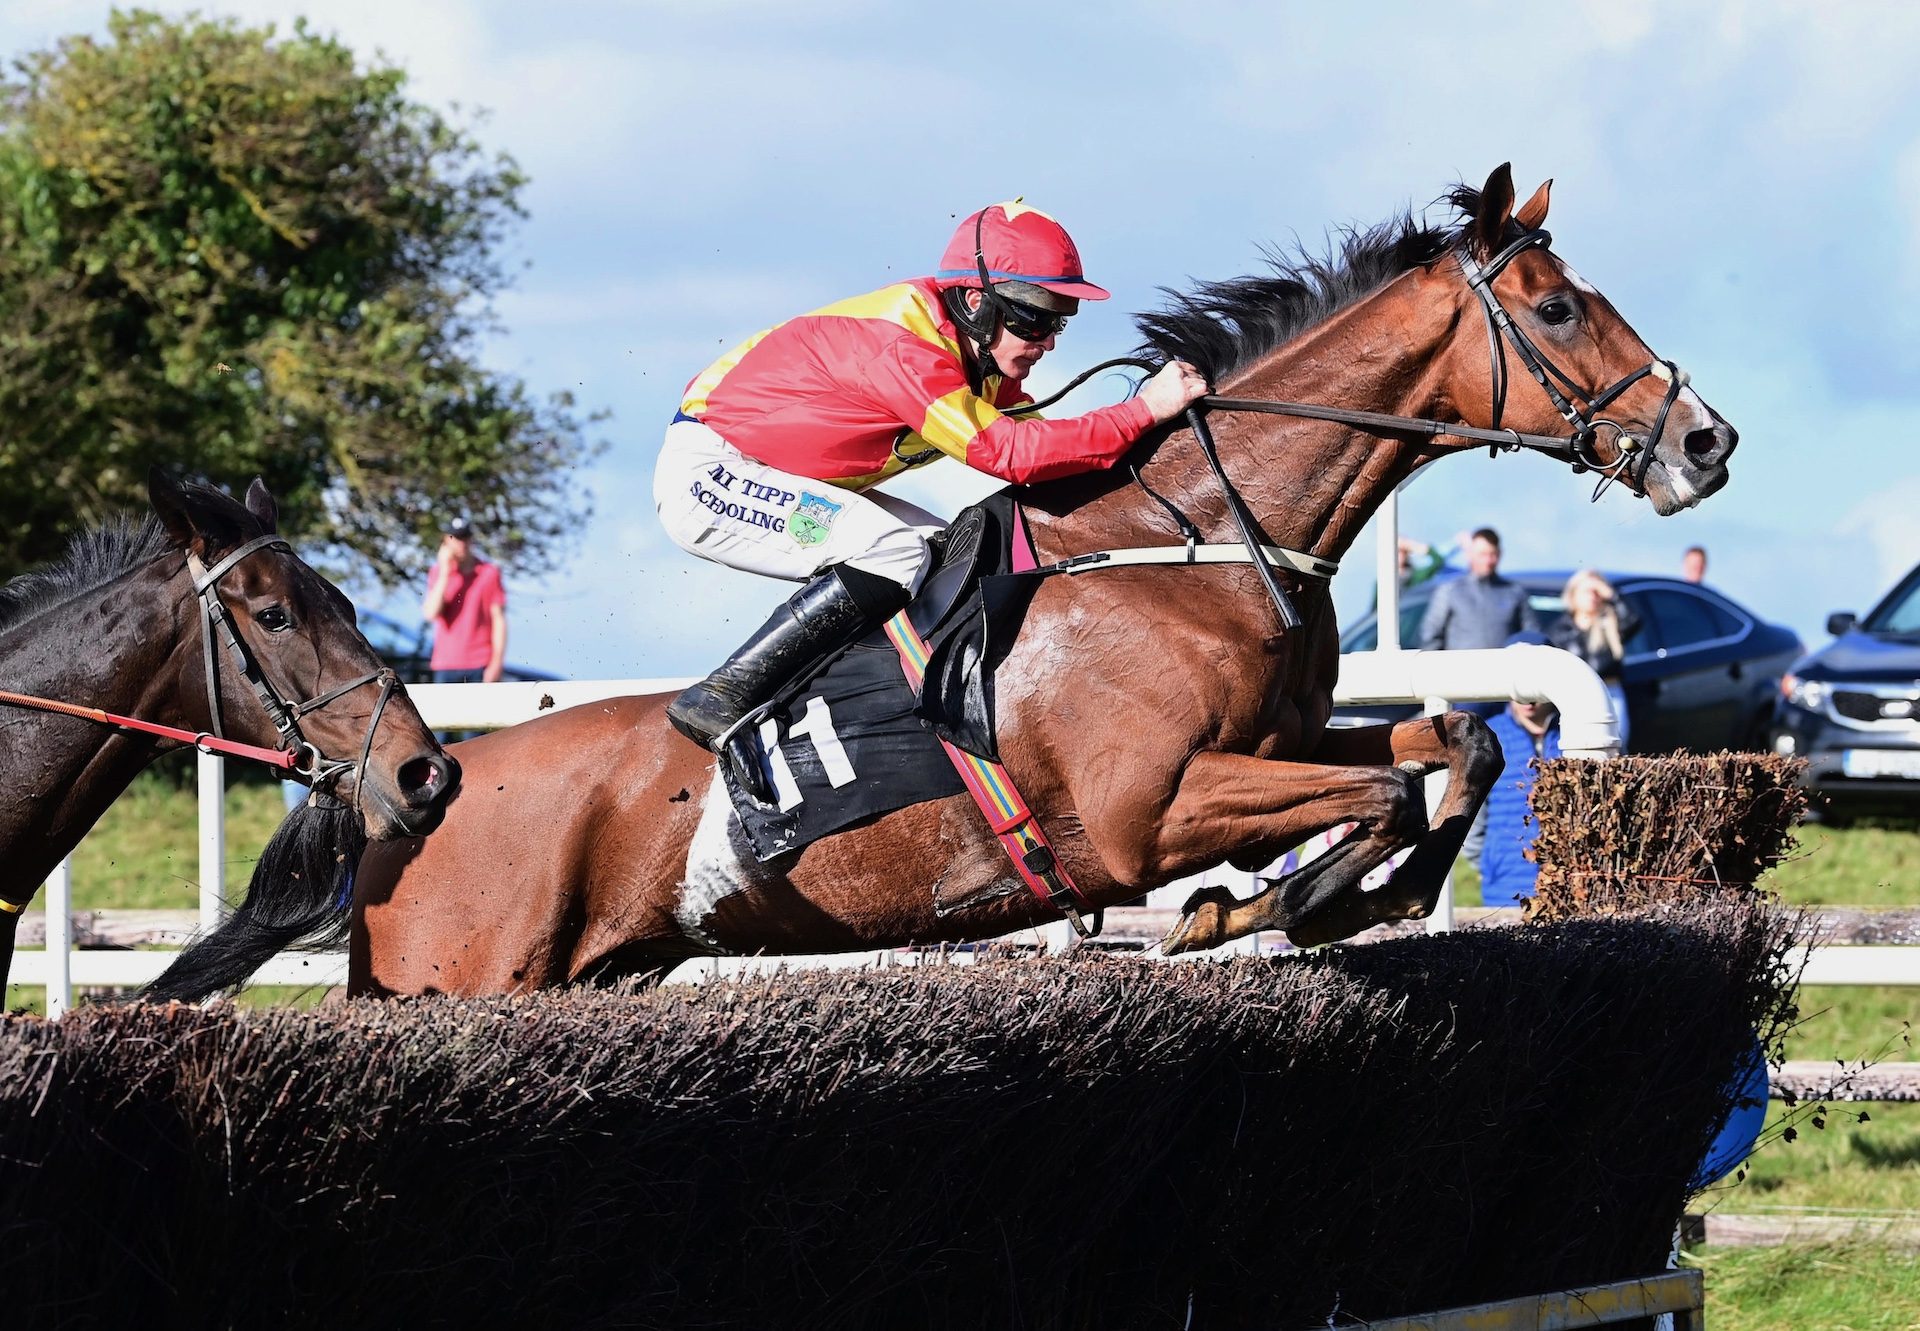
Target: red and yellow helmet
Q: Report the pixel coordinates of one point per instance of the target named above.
(1010, 242)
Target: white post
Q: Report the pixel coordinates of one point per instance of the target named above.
(1386, 575)
(1442, 918)
(213, 839)
(59, 944)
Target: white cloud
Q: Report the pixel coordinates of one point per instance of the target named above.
(1884, 519)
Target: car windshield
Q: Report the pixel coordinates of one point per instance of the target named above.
(1900, 612)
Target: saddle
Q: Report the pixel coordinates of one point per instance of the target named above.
(853, 740)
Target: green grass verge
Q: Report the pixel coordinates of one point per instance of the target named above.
(1826, 1287)
(145, 853)
(1853, 866)
(1848, 1165)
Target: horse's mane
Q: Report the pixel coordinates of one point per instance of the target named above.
(1223, 326)
(95, 558)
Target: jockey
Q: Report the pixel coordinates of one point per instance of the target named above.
(769, 463)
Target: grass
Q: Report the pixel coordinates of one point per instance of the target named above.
(1854, 866)
(1825, 1287)
(145, 853)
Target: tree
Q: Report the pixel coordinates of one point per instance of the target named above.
(235, 253)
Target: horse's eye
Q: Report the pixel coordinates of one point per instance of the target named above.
(1557, 310)
(274, 620)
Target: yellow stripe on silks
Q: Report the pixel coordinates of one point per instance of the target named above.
(954, 420)
(898, 304)
(11, 908)
(695, 401)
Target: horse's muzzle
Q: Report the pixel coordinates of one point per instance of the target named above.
(416, 802)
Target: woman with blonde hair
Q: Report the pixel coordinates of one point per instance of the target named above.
(1596, 628)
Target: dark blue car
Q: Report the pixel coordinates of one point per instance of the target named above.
(1701, 674)
(1852, 709)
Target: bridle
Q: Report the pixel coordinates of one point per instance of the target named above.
(1635, 454)
(1576, 449)
(305, 758)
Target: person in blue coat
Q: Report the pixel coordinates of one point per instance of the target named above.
(1526, 731)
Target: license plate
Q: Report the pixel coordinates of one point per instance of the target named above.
(1880, 762)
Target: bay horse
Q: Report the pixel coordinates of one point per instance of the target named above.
(201, 619)
(1158, 719)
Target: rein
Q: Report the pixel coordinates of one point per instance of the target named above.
(1575, 449)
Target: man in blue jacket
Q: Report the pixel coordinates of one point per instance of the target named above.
(1526, 731)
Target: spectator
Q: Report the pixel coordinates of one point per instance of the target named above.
(1482, 609)
(1526, 731)
(1596, 628)
(1419, 561)
(467, 605)
(1693, 564)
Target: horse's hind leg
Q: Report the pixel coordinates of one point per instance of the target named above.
(1457, 741)
(1214, 916)
(1232, 804)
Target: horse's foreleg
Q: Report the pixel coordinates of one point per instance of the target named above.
(1229, 804)
(1461, 743)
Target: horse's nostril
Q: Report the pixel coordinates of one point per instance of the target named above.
(422, 780)
(1709, 446)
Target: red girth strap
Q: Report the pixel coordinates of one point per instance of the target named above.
(993, 790)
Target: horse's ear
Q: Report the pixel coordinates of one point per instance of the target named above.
(170, 502)
(1533, 213)
(260, 504)
(1496, 210)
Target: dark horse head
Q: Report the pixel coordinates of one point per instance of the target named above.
(298, 649)
(293, 658)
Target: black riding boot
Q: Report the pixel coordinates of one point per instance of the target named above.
(839, 607)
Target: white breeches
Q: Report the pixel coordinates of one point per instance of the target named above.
(718, 503)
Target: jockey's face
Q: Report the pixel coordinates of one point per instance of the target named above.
(1016, 356)
(1013, 355)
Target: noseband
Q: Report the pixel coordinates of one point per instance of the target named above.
(306, 759)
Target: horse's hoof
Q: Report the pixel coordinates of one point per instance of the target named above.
(1203, 924)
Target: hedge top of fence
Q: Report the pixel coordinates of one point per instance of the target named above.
(1408, 1125)
(1631, 830)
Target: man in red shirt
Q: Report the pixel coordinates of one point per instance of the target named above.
(767, 463)
(467, 605)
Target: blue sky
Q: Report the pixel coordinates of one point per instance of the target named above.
(1742, 179)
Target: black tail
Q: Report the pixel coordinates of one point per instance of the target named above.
(301, 889)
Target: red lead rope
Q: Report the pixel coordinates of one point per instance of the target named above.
(282, 758)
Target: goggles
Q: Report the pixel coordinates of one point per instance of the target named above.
(1030, 324)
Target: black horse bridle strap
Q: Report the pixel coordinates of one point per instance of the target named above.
(285, 716)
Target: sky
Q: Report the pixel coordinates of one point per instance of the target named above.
(1741, 179)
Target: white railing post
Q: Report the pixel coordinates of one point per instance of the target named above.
(1442, 918)
(59, 944)
(1386, 596)
(213, 839)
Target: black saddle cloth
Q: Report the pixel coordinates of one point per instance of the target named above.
(852, 741)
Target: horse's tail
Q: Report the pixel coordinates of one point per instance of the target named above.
(300, 891)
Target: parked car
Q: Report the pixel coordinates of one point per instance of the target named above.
(408, 647)
(1852, 709)
(1701, 673)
